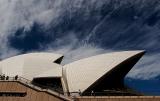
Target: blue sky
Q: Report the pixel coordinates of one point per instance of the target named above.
(82, 28)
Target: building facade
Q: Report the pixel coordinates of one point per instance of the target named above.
(41, 77)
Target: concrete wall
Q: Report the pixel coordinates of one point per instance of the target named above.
(35, 95)
(32, 94)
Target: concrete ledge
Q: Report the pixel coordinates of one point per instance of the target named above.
(119, 98)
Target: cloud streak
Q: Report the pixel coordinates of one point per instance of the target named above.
(148, 68)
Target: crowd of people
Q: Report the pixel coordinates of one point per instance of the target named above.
(4, 77)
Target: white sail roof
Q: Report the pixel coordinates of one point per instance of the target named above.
(82, 73)
(30, 65)
(78, 75)
(56, 71)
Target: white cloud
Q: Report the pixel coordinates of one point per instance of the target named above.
(72, 50)
(147, 68)
(15, 14)
(77, 53)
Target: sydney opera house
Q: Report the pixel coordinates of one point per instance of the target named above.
(41, 77)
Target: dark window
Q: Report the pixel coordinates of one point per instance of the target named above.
(15, 94)
(49, 83)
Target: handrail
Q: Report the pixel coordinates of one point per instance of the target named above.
(24, 79)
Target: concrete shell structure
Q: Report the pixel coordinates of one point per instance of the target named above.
(98, 73)
(32, 65)
(82, 74)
